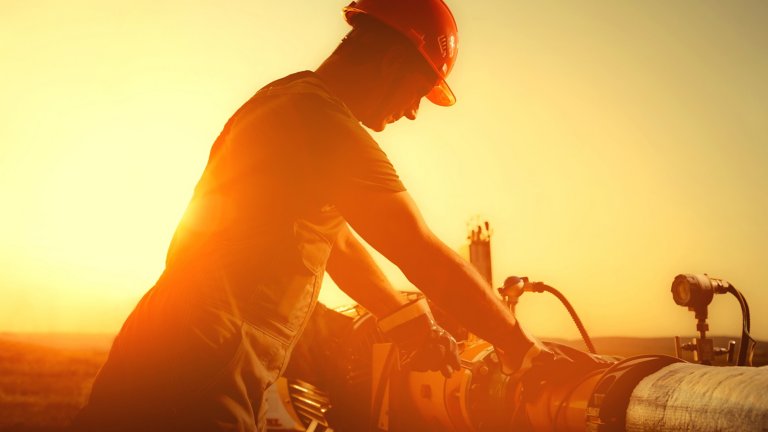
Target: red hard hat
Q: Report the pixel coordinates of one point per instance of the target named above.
(429, 24)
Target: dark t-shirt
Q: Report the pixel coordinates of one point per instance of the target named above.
(265, 203)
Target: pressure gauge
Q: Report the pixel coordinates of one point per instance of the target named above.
(692, 291)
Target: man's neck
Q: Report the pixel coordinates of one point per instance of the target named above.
(346, 81)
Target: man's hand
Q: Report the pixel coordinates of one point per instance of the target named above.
(428, 347)
(525, 352)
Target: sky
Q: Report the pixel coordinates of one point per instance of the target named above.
(611, 146)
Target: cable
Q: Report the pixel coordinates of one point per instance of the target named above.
(747, 342)
(538, 286)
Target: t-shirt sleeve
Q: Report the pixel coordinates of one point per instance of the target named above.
(346, 161)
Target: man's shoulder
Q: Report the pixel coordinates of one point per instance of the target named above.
(299, 103)
(303, 90)
(303, 101)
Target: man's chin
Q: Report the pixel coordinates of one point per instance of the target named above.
(377, 126)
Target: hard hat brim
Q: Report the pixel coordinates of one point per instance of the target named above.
(441, 94)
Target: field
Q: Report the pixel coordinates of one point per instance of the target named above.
(44, 379)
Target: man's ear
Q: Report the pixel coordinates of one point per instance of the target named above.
(394, 62)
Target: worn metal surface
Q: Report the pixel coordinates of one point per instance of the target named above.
(692, 397)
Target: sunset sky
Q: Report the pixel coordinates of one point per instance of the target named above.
(611, 145)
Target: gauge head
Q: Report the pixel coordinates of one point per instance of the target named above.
(692, 291)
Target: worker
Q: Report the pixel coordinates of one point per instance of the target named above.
(289, 178)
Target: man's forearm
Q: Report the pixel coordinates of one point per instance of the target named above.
(393, 225)
(457, 287)
(357, 274)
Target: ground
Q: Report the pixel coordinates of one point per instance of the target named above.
(44, 382)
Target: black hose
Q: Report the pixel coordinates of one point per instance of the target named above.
(747, 343)
(572, 311)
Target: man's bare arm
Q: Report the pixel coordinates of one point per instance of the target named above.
(356, 273)
(393, 225)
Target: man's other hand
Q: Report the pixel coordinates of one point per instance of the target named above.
(438, 353)
(427, 346)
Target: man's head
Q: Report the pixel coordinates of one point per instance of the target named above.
(428, 25)
(397, 52)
